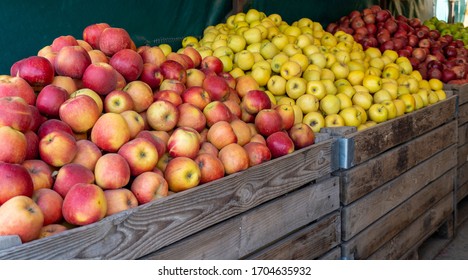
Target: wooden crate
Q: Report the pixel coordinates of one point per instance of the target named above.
(145, 229)
(461, 190)
(303, 224)
(389, 185)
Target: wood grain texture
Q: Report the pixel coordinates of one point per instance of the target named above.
(371, 142)
(149, 227)
(462, 154)
(307, 243)
(368, 176)
(415, 234)
(460, 90)
(462, 188)
(333, 254)
(381, 231)
(463, 113)
(462, 134)
(252, 230)
(363, 212)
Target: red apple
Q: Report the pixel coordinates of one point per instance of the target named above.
(36, 70)
(184, 60)
(156, 140)
(15, 181)
(88, 154)
(234, 158)
(194, 55)
(40, 172)
(51, 229)
(100, 77)
(135, 122)
(141, 94)
(84, 204)
(217, 87)
(184, 142)
(162, 115)
(51, 125)
(18, 87)
(32, 145)
(216, 111)
(195, 77)
(255, 101)
(114, 39)
(212, 63)
(91, 33)
(63, 41)
(80, 113)
(302, 135)
(151, 74)
(268, 121)
(191, 116)
(118, 101)
(153, 55)
(140, 154)
(21, 216)
(69, 175)
(149, 186)
(257, 152)
(171, 69)
(119, 200)
(112, 171)
(234, 107)
(49, 100)
(15, 112)
(128, 63)
(57, 148)
(221, 134)
(72, 61)
(182, 173)
(14, 145)
(280, 144)
(168, 95)
(211, 167)
(110, 132)
(196, 96)
(50, 203)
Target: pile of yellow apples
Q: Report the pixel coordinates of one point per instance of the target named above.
(328, 78)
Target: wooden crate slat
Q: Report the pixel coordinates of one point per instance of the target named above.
(363, 178)
(463, 113)
(462, 154)
(372, 142)
(363, 212)
(371, 238)
(306, 244)
(462, 134)
(416, 233)
(251, 230)
(333, 254)
(149, 227)
(460, 90)
(462, 188)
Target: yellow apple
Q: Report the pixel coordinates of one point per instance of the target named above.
(373, 52)
(252, 35)
(318, 59)
(328, 40)
(351, 116)
(424, 93)
(236, 42)
(355, 77)
(377, 62)
(308, 103)
(329, 86)
(330, 58)
(409, 101)
(441, 94)
(290, 69)
(373, 83)
(391, 109)
(244, 60)
(400, 107)
(302, 40)
(277, 61)
(310, 49)
(311, 75)
(276, 85)
(340, 69)
(280, 41)
(295, 87)
(334, 120)
(330, 104)
(316, 88)
(363, 99)
(345, 101)
(348, 90)
(291, 49)
(284, 99)
(268, 50)
(362, 113)
(418, 102)
(433, 97)
(391, 88)
(378, 113)
(314, 120)
(393, 55)
(327, 74)
(381, 96)
(301, 59)
(435, 84)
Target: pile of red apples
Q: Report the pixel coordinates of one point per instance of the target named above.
(94, 126)
(433, 55)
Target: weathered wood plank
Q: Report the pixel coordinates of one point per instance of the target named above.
(416, 233)
(461, 213)
(149, 227)
(374, 236)
(308, 243)
(462, 134)
(251, 230)
(333, 254)
(370, 175)
(376, 140)
(463, 113)
(462, 188)
(363, 212)
(462, 155)
(460, 90)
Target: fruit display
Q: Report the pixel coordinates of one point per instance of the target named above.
(456, 29)
(96, 125)
(435, 53)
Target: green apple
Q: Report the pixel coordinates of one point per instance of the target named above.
(378, 113)
(316, 88)
(276, 85)
(268, 50)
(295, 87)
(315, 120)
(330, 104)
(351, 116)
(236, 42)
